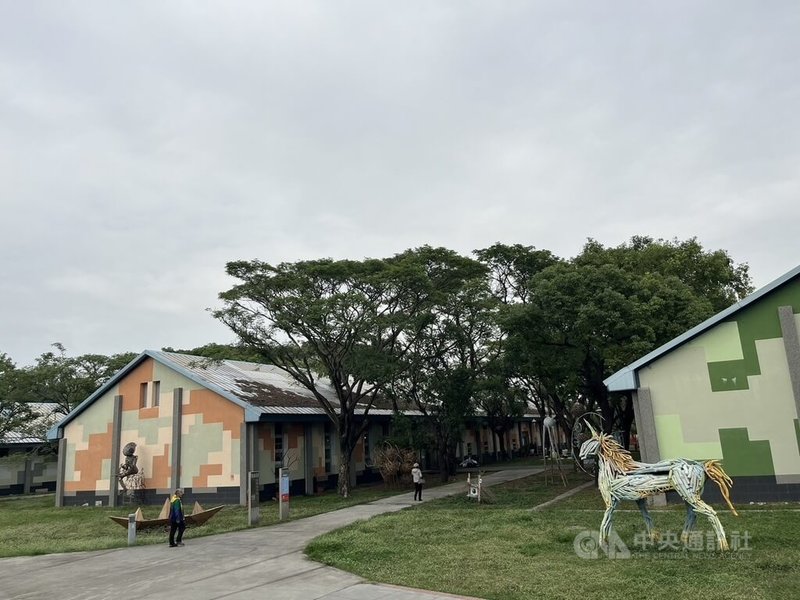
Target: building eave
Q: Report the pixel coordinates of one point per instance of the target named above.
(627, 378)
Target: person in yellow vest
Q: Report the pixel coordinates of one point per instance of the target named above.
(177, 522)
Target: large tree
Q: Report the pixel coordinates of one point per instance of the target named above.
(518, 365)
(350, 322)
(15, 414)
(220, 352)
(445, 364)
(608, 306)
(69, 380)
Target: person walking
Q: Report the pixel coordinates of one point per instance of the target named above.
(177, 522)
(416, 477)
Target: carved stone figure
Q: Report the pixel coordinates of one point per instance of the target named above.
(128, 468)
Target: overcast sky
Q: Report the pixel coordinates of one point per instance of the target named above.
(145, 144)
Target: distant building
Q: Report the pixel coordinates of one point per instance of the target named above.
(728, 389)
(26, 465)
(203, 424)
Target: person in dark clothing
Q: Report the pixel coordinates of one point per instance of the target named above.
(416, 477)
(177, 522)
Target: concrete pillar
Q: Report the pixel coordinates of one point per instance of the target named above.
(62, 461)
(791, 342)
(248, 458)
(308, 440)
(243, 464)
(115, 450)
(177, 417)
(645, 425)
(27, 480)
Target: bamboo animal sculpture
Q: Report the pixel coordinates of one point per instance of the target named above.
(622, 478)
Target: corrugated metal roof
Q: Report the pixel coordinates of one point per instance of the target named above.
(627, 378)
(256, 384)
(46, 415)
(260, 389)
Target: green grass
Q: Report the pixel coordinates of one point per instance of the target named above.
(33, 525)
(504, 551)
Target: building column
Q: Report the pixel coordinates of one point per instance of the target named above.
(248, 458)
(308, 442)
(116, 434)
(177, 419)
(60, 471)
(243, 464)
(645, 425)
(791, 342)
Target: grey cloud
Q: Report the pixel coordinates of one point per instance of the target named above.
(146, 144)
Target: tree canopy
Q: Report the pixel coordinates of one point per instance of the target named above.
(351, 322)
(587, 317)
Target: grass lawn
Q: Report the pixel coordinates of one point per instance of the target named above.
(504, 551)
(32, 525)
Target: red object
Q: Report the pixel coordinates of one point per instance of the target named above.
(284, 497)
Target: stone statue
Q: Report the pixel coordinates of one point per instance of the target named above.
(128, 468)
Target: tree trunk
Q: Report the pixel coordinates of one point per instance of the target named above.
(627, 421)
(501, 436)
(444, 470)
(345, 460)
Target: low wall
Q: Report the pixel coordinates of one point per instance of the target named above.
(26, 474)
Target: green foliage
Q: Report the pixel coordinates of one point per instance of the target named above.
(446, 361)
(349, 321)
(14, 413)
(68, 381)
(585, 318)
(711, 275)
(221, 352)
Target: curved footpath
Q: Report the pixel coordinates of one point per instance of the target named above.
(264, 562)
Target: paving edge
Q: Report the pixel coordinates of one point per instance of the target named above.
(563, 496)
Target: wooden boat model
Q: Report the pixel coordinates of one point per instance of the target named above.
(198, 517)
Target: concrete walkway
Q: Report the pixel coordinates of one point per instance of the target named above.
(266, 562)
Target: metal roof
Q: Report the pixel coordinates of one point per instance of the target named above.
(627, 377)
(258, 388)
(45, 415)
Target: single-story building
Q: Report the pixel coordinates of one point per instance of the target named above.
(204, 424)
(728, 389)
(27, 464)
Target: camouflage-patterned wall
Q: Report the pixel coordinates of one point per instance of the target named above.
(40, 472)
(210, 435)
(727, 394)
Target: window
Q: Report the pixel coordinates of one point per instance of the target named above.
(143, 395)
(327, 447)
(156, 393)
(279, 443)
(278, 449)
(367, 457)
(469, 449)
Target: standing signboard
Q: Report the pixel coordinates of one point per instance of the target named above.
(283, 475)
(253, 508)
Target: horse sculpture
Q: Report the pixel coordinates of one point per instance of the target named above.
(622, 478)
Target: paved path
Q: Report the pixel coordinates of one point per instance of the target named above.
(265, 562)
(564, 496)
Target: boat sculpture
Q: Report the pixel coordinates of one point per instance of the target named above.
(199, 516)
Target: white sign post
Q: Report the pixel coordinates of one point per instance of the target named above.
(253, 508)
(283, 477)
